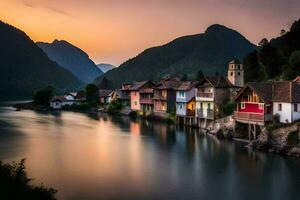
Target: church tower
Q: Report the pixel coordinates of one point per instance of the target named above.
(236, 73)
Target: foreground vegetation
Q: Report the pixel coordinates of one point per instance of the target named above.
(15, 184)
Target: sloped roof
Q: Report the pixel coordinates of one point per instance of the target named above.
(169, 83)
(217, 81)
(137, 85)
(235, 61)
(186, 85)
(104, 93)
(283, 91)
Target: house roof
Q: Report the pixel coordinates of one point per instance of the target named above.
(137, 85)
(121, 95)
(169, 83)
(297, 79)
(217, 81)
(283, 91)
(126, 86)
(235, 61)
(104, 93)
(147, 90)
(186, 85)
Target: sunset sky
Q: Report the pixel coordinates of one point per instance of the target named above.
(112, 31)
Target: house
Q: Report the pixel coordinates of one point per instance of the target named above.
(68, 99)
(58, 102)
(214, 91)
(185, 99)
(146, 100)
(136, 92)
(122, 96)
(261, 103)
(105, 96)
(211, 93)
(165, 95)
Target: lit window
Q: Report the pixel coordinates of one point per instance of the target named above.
(243, 106)
(279, 107)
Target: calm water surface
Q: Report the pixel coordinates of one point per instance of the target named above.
(87, 157)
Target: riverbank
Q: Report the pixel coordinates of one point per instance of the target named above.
(278, 138)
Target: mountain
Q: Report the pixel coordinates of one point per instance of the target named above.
(71, 58)
(105, 67)
(24, 67)
(277, 59)
(209, 52)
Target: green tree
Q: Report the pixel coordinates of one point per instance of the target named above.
(115, 107)
(252, 67)
(200, 75)
(92, 94)
(184, 77)
(43, 96)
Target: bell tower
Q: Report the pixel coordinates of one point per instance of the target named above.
(236, 73)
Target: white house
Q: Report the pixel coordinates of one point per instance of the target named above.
(286, 101)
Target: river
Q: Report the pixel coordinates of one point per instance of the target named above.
(102, 157)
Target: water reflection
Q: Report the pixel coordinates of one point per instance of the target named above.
(103, 157)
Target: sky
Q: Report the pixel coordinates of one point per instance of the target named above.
(112, 31)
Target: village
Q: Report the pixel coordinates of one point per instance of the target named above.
(213, 103)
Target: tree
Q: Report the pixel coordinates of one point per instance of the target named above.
(15, 184)
(184, 77)
(282, 32)
(263, 42)
(43, 96)
(253, 71)
(92, 94)
(200, 75)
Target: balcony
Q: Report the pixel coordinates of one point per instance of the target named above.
(209, 114)
(190, 112)
(205, 96)
(146, 101)
(160, 97)
(252, 117)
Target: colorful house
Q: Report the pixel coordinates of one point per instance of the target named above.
(261, 103)
(165, 95)
(211, 93)
(135, 95)
(105, 96)
(146, 99)
(185, 99)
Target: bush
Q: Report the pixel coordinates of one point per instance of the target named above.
(115, 107)
(43, 96)
(228, 108)
(15, 184)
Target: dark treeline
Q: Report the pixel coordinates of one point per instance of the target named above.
(277, 59)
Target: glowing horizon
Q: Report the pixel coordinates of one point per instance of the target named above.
(112, 32)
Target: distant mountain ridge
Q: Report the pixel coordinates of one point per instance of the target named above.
(71, 58)
(24, 67)
(105, 67)
(209, 52)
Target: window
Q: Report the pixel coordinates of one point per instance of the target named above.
(279, 107)
(135, 103)
(181, 94)
(260, 106)
(238, 67)
(208, 106)
(231, 74)
(239, 73)
(243, 106)
(201, 106)
(295, 107)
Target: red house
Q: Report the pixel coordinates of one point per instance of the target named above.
(254, 104)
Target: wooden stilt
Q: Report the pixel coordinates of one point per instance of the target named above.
(249, 132)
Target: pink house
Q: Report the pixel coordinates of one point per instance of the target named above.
(135, 94)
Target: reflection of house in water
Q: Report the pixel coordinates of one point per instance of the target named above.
(135, 128)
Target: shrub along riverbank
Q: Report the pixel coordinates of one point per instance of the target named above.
(15, 184)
